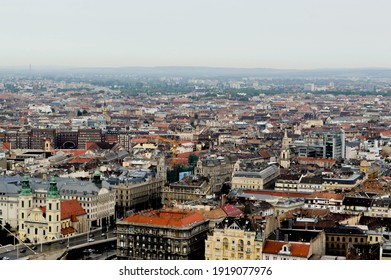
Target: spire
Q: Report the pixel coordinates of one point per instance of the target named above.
(26, 190)
(53, 191)
(96, 178)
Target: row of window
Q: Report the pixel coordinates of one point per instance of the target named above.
(351, 239)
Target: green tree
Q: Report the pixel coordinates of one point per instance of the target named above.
(192, 159)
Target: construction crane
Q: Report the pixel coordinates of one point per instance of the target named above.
(174, 144)
(22, 118)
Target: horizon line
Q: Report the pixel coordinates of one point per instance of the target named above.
(27, 67)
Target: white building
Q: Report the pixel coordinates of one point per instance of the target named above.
(96, 197)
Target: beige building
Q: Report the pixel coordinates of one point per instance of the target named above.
(188, 189)
(254, 177)
(234, 239)
(338, 239)
(141, 192)
(57, 219)
(218, 170)
(342, 183)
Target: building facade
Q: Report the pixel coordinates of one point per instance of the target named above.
(142, 191)
(188, 189)
(256, 178)
(234, 239)
(167, 234)
(57, 219)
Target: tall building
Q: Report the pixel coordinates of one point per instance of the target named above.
(235, 239)
(142, 190)
(323, 144)
(285, 156)
(334, 144)
(66, 139)
(25, 205)
(167, 234)
(53, 211)
(38, 136)
(88, 135)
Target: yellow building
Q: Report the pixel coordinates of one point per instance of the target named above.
(338, 239)
(234, 239)
(371, 171)
(57, 219)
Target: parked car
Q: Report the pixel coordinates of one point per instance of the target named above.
(91, 240)
(34, 248)
(22, 250)
(5, 258)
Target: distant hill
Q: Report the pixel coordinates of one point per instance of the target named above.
(208, 72)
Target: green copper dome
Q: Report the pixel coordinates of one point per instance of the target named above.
(53, 191)
(26, 190)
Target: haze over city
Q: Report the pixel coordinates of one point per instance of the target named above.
(195, 130)
(301, 34)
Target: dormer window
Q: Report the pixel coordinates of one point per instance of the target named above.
(285, 250)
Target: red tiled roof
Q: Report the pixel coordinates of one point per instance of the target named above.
(161, 125)
(213, 214)
(81, 160)
(277, 193)
(386, 133)
(264, 154)
(70, 208)
(231, 210)
(6, 145)
(336, 196)
(139, 140)
(304, 108)
(315, 159)
(172, 218)
(68, 230)
(297, 249)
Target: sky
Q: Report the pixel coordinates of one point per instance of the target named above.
(283, 34)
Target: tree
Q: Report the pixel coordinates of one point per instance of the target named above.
(192, 159)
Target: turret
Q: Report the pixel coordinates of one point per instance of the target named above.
(96, 178)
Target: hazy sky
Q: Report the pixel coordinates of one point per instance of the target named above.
(224, 33)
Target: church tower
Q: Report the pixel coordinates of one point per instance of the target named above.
(161, 169)
(53, 211)
(96, 179)
(198, 169)
(25, 206)
(285, 156)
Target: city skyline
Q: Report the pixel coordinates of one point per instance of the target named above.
(254, 34)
